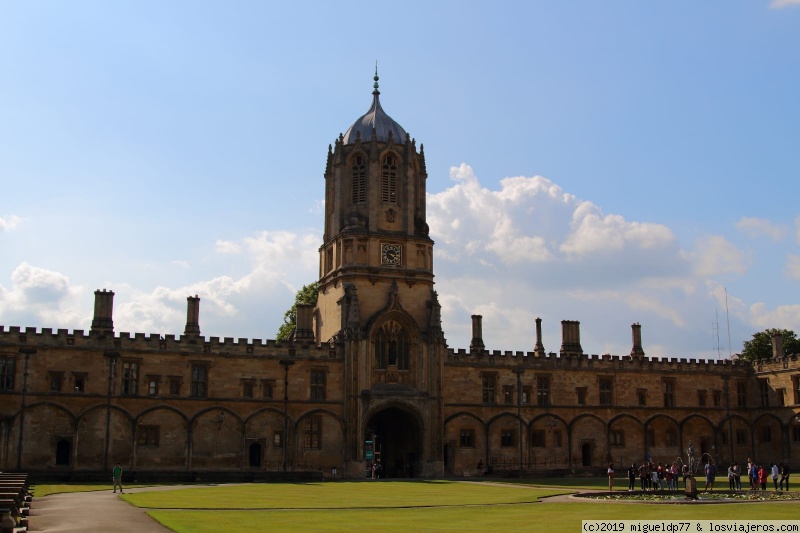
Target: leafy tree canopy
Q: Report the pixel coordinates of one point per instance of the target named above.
(760, 346)
(305, 296)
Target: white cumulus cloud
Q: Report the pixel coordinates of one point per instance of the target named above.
(759, 227)
(9, 222)
(779, 4)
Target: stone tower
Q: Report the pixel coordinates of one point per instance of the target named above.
(376, 295)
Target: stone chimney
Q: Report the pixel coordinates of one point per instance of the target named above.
(777, 345)
(476, 344)
(636, 332)
(538, 350)
(571, 337)
(192, 316)
(304, 325)
(103, 308)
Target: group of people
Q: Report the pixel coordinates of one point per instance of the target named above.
(654, 476)
(661, 476)
(759, 476)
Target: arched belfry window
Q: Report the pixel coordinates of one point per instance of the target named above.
(389, 180)
(359, 180)
(391, 347)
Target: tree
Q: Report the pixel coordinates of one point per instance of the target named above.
(305, 296)
(760, 347)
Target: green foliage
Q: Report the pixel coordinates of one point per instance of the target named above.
(305, 296)
(760, 346)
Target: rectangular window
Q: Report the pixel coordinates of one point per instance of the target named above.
(247, 388)
(318, 385)
(763, 392)
(741, 437)
(56, 379)
(606, 390)
(542, 391)
(467, 438)
(796, 388)
(557, 438)
(130, 378)
(650, 437)
(701, 398)
(766, 434)
(7, 372)
(526, 395)
(580, 392)
(641, 396)
(616, 438)
(668, 386)
(487, 383)
(796, 433)
(199, 381)
(724, 436)
(79, 381)
(267, 388)
(508, 438)
(313, 433)
(174, 386)
(717, 395)
(537, 438)
(152, 385)
(741, 394)
(780, 394)
(147, 436)
(508, 394)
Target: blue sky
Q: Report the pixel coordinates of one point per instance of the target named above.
(607, 162)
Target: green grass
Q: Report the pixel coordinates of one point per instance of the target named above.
(482, 505)
(45, 489)
(341, 495)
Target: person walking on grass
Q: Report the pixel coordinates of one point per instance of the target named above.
(632, 471)
(775, 471)
(117, 477)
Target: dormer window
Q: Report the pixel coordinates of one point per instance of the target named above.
(359, 180)
(389, 180)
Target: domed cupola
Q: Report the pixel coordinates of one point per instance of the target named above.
(375, 119)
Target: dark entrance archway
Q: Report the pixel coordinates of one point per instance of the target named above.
(586, 454)
(255, 454)
(63, 452)
(398, 442)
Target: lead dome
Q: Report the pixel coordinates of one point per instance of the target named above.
(375, 119)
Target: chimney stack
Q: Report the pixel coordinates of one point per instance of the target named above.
(103, 309)
(538, 350)
(476, 344)
(192, 316)
(636, 332)
(571, 337)
(304, 324)
(777, 345)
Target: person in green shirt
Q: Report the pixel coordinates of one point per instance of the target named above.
(117, 477)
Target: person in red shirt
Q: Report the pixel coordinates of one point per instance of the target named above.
(762, 477)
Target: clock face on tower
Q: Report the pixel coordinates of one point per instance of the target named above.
(390, 254)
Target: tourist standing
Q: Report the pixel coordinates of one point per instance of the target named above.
(775, 472)
(762, 477)
(731, 478)
(643, 476)
(610, 477)
(116, 475)
(632, 477)
(784, 476)
(711, 471)
(738, 475)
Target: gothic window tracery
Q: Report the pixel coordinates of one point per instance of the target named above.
(391, 347)
(359, 180)
(389, 180)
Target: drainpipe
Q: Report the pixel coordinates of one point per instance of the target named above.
(286, 364)
(519, 371)
(113, 358)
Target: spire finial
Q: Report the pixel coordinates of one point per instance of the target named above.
(375, 85)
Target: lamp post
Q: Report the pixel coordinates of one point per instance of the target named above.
(519, 370)
(286, 363)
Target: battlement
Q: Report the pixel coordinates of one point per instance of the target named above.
(18, 338)
(777, 364)
(594, 361)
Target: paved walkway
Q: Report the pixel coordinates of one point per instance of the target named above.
(97, 511)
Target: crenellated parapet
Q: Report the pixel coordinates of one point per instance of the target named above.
(604, 362)
(15, 338)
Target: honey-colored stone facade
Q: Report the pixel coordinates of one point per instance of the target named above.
(368, 375)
